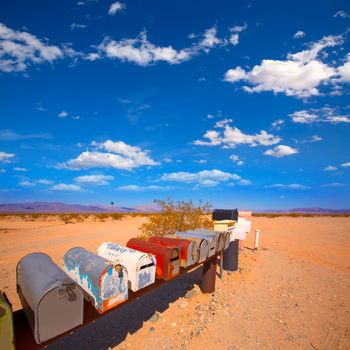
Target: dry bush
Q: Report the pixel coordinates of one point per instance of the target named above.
(176, 216)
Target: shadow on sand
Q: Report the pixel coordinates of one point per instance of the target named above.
(112, 329)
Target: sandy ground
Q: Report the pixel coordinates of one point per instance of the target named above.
(294, 293)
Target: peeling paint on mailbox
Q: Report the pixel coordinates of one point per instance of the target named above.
(188, 248)
(141, 266)
(105, 284)
(168, 258)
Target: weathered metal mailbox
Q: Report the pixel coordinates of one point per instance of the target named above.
(6, 324)
(141, 266)
(188, 249)
(202, 246)
(221, 244)
(192, 235)
(105, 284)
(52, 302)
(168, 258)
(225, 214)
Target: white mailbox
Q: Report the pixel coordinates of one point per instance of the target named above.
(141, 266)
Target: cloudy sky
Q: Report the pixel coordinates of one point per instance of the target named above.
(241, 103)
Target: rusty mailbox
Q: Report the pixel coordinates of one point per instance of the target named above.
(202, 246)
(141, 266)
(223, 237)
(105, 284)
(7, 340)
(195, 235)
(168, 258)
(188, 249)
(51, 300)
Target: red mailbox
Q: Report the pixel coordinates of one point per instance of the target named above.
(168, 258)
(188, 249)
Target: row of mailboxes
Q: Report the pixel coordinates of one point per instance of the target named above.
(141, 267)
(53, 299)
(105, 284)
(167, 258)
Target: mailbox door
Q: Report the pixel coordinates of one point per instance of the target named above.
(113, 286)
(203, 251)
(59, 310)
(192, 254)
(145, 274)
(6, 325)
(174, 263)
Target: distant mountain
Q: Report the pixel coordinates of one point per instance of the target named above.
(305, 210)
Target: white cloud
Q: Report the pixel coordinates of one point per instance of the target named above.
(299, 75)
(206, 178)
(333, 184)
(330, 168)
(142, 52)
(201, 161)
(325, 115)
(5, 157)
(119, 155)
(210, 116)
(238, 29)
(341, 14)
(315, 138)
(63, 114)
(288, 186)
(344, 70)
(278, 124)
(19, 50)
(234, 39)
(236, 159)
(281, 151)
(2, 171)
(27, 184)
(244, 182)
(74, 26)
(116, 7)
(230, 137)
(299, 34)
(99, 180)
(346, 165)
(304, 117)
(33, 183)
(65, 187)
(44, 182)
(136, 188)
(9, 135)
(19, 169)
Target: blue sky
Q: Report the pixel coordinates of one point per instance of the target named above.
(240, 103)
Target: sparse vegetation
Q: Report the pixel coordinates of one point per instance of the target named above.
(176, 216)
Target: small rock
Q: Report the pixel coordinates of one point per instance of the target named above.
(152, 329)
(173, 324)
(190, 294)
(183, 304)
(155, 317)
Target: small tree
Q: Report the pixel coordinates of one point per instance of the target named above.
(177, 216)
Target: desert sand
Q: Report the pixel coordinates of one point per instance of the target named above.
(293, 293)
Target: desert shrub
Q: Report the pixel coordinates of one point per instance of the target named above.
(116, 216)
(176, 216)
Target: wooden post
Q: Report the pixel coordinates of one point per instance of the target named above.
(231, 255)
(209, 275)
(256, 242)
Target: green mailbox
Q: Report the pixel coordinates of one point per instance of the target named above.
(6, 324)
